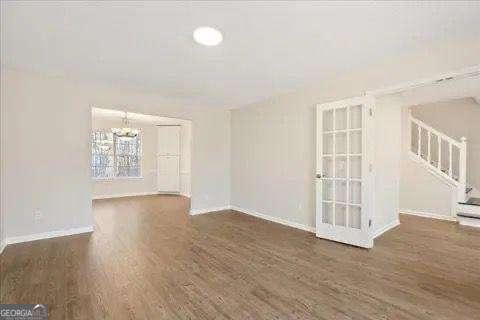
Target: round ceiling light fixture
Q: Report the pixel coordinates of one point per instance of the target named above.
(207, 36)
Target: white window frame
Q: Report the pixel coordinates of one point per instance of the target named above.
(115, 177)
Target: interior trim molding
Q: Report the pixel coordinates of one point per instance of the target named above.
(275, 219)
(391, 225)
(48, 235)
(426, 214)
(122, 195)
(3, 244)
(194, 212)
(467, 72)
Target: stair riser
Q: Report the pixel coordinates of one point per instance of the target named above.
(471, 222)
(469, 209)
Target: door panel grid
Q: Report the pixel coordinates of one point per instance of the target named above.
(344, 177)
(342, 166)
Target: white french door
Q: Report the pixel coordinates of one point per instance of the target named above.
(344, 174)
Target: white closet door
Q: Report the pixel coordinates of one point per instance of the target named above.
(168, 173)
(168, 140)
(344, 171)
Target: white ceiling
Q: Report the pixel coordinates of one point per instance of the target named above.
(269, 47)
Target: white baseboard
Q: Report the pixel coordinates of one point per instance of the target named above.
(110, 196)
(47, 235)
(274, 219)
(389, 226)
(427, 214)
(194, 212)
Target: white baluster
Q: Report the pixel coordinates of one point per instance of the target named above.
(439, 142)
(450, 159)
(429, 137)
(419, 141)
(462, 171)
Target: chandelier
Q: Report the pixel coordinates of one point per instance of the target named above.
(125, 131)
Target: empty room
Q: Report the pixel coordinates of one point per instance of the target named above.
(240, 160)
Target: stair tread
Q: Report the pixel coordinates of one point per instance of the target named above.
(472, 202)
(468, 215)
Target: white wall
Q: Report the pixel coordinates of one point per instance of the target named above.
(273, 151)
(422, 192)
(47, 155)
(2, 162)
(387, 161)
(148, 181)
(273, 162)
(48, 124)
(273, 141)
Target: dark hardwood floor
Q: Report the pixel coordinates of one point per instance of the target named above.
(148, 259)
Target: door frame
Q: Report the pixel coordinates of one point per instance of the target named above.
(364, 236)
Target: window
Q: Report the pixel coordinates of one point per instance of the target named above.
(127, 156)
(115, 157)
(103, 157)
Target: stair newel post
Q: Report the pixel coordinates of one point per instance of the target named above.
(462, 169)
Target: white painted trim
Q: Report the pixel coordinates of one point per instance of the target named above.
(48, 235)
(472, 71)
(442, 135)
(274, 219)
(194, 212)
(114, 179)
(121, 195)
(391, 225)
(426, 214)
(3, 244)
(442, 176)
(172, 193)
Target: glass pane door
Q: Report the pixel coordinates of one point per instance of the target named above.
(342, 166)
(340, 171)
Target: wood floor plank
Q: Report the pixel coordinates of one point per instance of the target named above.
(148, 259)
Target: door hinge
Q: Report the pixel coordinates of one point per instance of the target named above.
(370, 167)
(369, 223)
(370, 111)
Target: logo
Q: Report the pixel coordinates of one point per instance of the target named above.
(23, 312)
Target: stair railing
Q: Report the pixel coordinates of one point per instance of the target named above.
(442, 154)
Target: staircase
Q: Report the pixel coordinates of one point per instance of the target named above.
(469, 212)
(446, 158)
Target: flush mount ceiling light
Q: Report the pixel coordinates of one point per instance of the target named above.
(207, 36)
